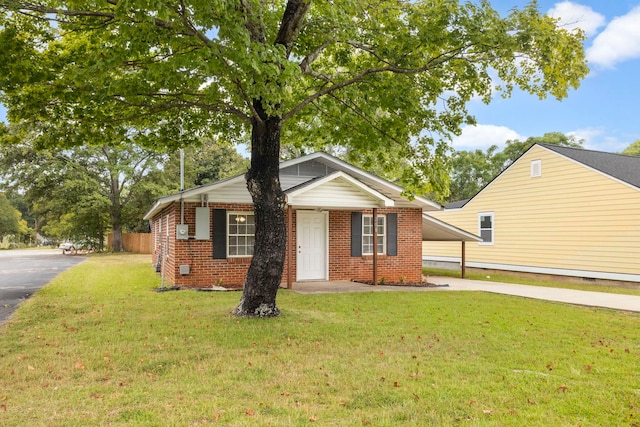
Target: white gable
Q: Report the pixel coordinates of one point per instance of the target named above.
(337, 190)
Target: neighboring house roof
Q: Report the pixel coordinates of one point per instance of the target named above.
(304, 176)
(436, 230)
(456, 205)
(619, 166)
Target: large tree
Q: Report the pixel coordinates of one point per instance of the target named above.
(365, 75)
(81, 192)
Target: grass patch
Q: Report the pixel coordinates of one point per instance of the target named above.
(98, 347)
(632, 289)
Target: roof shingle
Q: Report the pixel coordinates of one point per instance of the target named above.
(619, 166)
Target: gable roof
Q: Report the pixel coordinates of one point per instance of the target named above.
(302, 175)
(619, 166)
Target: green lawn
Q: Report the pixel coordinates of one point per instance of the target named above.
(98, 347)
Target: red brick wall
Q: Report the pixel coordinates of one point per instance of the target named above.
(405, 267)
(206, 271)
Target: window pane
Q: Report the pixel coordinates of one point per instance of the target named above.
(241, 234)
(486, 235)
(485, 221)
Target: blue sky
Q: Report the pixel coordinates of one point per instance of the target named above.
(602, 111)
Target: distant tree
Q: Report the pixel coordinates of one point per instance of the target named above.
(81, 192)
(633, 149)
(11, 222)
(207, 162)
(471, 171)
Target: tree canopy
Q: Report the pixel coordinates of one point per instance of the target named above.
(633, 149)
(11, 222)
(366, 76)
(80, 193)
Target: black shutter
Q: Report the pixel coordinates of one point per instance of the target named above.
(356, 233)
(392, 234)
(219, 233)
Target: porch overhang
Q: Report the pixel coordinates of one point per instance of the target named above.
(439, 231)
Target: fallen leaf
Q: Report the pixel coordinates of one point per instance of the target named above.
(587, 368)
(78, 365)
(395, 384)
(249, 412)
(313, 418)
(563, 388)
(31, 368)
(488, 411)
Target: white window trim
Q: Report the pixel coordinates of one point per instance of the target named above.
(536, 168)
(383, 235)
(245, 213)
(493, 227)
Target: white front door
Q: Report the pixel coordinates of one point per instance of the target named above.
(311, 245)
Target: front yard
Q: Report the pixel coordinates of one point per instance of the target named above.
(98, 347)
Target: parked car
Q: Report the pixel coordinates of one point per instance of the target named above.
(75, 247)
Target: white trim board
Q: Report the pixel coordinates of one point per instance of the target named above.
(542, 270)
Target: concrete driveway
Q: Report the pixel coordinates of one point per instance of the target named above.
(569, 296)
(23, 272)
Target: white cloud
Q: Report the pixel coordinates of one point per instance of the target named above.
(619, 41)
(483, 136)
(573, 15)
(599, 139)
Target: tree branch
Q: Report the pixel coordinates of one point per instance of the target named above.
(291, 23)
(432, 63)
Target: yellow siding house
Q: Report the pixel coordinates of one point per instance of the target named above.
(556, 210)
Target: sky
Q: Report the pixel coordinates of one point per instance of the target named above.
(602, 111)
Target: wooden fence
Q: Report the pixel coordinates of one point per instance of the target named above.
(139, 243)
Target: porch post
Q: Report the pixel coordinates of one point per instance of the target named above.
(375, 246)
(291, 245)
(464, 261)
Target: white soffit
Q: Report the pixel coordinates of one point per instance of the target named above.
(439, 231)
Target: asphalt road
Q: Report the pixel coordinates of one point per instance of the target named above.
(23, 272)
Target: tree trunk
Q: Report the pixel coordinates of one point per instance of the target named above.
(116, 226)
(117, 238)
(263, 182)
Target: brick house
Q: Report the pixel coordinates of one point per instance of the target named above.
(203, 237)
